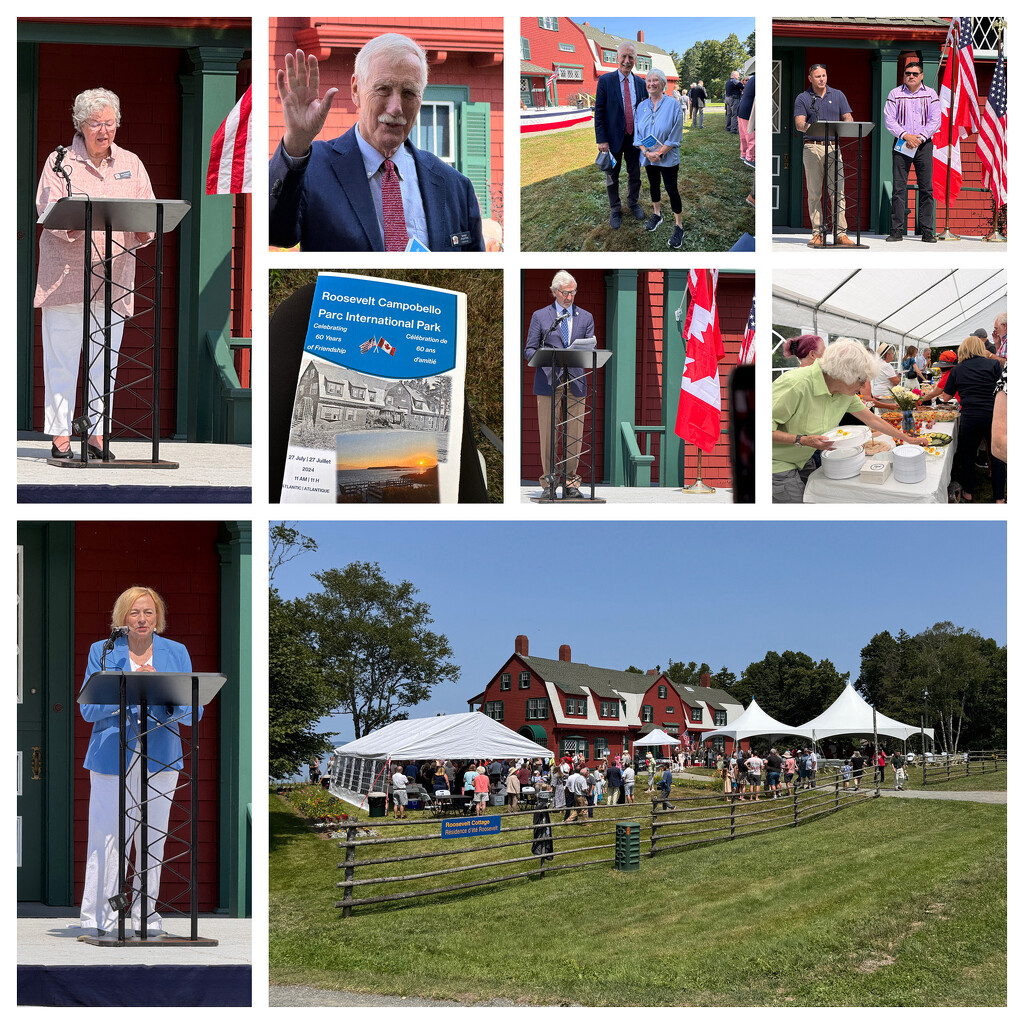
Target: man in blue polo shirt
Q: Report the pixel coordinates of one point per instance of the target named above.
(820, 103)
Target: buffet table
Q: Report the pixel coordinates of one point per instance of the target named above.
(932, 490)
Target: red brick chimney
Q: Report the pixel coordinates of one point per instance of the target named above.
(640, 36)
(523, 645)
(705, 679)
(652, 671)
(565, 653)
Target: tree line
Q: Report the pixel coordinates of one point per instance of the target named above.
(713, 61)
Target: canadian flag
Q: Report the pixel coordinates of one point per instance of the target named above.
(699, 419)
(384, 346)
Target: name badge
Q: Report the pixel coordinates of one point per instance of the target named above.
(122, 174)
(462, 238)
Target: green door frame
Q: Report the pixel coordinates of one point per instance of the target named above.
(235, 767)
(673, 363)
(620, 371)
(48, 660)
(204, 292)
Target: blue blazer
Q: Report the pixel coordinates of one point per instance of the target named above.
(327, 207)
(609, 113)
(164, 745)
(581, 325)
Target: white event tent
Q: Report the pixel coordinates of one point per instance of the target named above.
(361, 766)
(851, 715)
(656, 738)
(755, 722)
(922, 306)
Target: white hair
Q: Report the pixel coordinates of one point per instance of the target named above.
(658, 74)
(849, 361)
(562, 280)
(91, 102)
(393, 46)
(623, 45)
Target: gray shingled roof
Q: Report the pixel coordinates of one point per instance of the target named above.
(572, 676)
(610, 42)
(925, 22)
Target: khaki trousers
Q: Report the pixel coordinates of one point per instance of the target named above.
(814, 176)
(575, 408)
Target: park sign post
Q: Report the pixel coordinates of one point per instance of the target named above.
(466, 828)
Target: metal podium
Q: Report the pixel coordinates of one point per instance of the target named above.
(145, 690)
(561, 360)
(152, 216)
(830, 133)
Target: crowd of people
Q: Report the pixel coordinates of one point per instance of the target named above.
(842, 382)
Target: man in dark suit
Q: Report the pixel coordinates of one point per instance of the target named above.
(560, 325)
(370, 189)
(618, 94)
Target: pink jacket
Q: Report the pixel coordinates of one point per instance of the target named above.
(62, 253)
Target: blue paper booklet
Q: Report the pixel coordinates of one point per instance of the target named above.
(378, 406)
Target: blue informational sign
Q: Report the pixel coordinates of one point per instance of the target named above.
(464, 828)
(383, 328)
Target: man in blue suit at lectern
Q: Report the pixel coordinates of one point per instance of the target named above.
(369, 190)
(618, 94)
(562, 324)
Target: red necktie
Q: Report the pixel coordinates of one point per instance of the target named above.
(628, 101)
(395, 236)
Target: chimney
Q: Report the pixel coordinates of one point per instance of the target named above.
(523, 645)
(565, 653)
(652, 671)
(640, 36)
(705, 679)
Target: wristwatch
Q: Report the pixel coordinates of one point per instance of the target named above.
(798, 438)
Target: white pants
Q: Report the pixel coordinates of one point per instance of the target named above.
(101, 859)
(62, 353)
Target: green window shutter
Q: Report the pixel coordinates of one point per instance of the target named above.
(475, 150)
(524, 44)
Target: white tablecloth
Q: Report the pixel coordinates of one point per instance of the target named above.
(930, 491)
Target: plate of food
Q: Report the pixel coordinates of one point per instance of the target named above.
(877, 445)
(934, 440)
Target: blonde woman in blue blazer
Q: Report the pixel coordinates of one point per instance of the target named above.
(141, 612)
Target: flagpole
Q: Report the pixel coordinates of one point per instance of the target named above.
(947, 235)
(995, 235)
(698, 486)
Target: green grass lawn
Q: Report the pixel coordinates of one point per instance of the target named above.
(990, 782)
(484, 367)
(890, 903)
(565, 204)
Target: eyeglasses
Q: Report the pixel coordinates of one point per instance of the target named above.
(913, 74)
(566, 291)
(97, 125)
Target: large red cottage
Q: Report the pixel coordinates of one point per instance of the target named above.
(571, 708)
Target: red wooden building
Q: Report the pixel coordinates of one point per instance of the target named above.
(634, 316)
(570, 707)
(865, 59)
(461, 120)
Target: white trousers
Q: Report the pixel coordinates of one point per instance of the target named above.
(62, 353)
(101, 859)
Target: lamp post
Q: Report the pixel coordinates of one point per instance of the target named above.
(925, 718)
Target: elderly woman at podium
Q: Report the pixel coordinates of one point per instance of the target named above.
(138, 620)
(96, 167)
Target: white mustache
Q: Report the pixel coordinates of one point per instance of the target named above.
(391, 119)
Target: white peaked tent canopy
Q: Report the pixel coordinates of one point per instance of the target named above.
(362, 766)
(850, 715)
(755, 722)
(936, 307)
(470, 734)
(656, 738)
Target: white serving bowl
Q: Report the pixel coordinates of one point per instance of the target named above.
(842, 463)
(849, 437)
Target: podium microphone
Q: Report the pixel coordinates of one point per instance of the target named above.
(116, 632)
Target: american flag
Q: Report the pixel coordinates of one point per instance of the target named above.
(230, 167)
(992, 135)
(747, 347)
(960, 114)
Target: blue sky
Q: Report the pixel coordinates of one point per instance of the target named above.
(677, 34)
(639, 593)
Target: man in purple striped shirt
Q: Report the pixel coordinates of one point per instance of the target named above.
(913, 113)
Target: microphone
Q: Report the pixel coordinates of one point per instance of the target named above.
(108, 646)
(118, 631)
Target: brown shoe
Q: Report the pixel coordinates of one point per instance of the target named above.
(845, 239)
(816, 241)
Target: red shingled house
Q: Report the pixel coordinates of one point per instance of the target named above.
(570, 707)
(634, 316)
(461, 119)
(864, 59)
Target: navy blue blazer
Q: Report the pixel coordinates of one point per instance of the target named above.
(327, 207)
(609, 113)
(540, 335)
